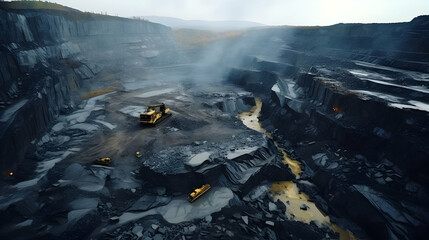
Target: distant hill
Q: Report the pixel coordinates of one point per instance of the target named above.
(49, 7)
(33, 5)
(203, 25)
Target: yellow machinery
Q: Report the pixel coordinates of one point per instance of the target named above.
(103, 161)
(198, 192)
(154, 114)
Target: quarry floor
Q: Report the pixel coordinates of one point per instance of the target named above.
(68, 196)
(63, 194)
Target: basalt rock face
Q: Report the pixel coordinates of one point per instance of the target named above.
(326, 110)
(254, 81)
(352, 105)
(366, 125)
(35, 37)
(239, 169)
(373, 128)
(44, 59)
(397, 45)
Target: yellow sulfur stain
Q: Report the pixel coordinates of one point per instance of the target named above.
(96, 93)
(288, 191)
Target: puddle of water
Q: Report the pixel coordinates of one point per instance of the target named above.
(288, 192)
(292, 164)
(250, 120)
(344, 234)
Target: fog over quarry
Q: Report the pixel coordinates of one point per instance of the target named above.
(302, 132)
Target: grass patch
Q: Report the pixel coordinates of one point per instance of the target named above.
(71, 13)
(20, 5)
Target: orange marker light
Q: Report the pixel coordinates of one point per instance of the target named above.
(336, 109)
(10, 173)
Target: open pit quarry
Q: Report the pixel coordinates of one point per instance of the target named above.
(301, 132)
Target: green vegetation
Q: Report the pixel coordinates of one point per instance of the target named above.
(33, 5)
(74, 14)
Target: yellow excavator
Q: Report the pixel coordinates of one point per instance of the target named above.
(198, 192)
(154, 114)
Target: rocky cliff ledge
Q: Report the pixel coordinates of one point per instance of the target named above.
(44, 59)
(350, 102)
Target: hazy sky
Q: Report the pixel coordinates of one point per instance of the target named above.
(271, 12)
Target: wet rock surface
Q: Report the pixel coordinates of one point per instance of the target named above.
(147, 196)
(354, 118)
(356, 129)
(46, 56)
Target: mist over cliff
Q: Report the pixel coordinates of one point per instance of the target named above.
(301, 132)
(46, 54)
(177, 23)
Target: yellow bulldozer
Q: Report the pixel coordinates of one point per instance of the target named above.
(198, 192)
(154, 114)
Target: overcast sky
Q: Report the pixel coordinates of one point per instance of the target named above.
(270, 12)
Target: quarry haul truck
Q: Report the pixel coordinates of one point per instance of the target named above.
(154, 114)
(198, 192)
(106, 161)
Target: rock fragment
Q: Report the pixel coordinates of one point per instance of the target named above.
(270, 223)
(245, 219)
(272, 207)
